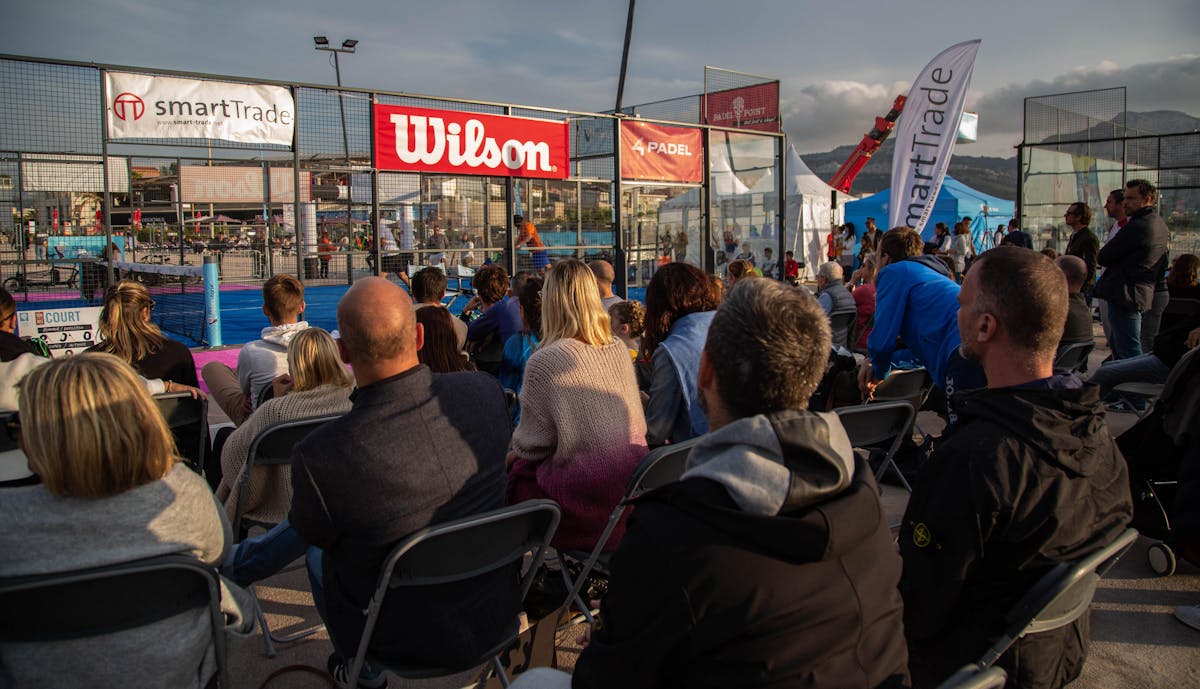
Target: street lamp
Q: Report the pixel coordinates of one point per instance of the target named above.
(349, 45)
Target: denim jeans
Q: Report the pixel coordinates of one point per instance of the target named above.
(314, 561)
(1125, 328)
(262, 556)
(1145, 368)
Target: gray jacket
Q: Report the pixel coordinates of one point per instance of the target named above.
(41, 533)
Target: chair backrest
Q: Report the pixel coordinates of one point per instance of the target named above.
(974, 677)
(1060, 597)
(187, 417)
(910, 386)
(272, 446)
(872, 425)
(115, 598)
(843, 323)
(661, 466)
(1073, 357)
(463, 549)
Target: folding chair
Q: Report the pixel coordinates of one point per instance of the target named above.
(115, 598)
(912, 386)
(974, 677)
(876, 425)
(1073, 358)
(456, 551)
(271, 447)
(844, 322)
(1152, 392)
(187, 417)
(1059, 598)
(661, 466)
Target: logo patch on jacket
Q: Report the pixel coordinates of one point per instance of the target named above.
(921, 536)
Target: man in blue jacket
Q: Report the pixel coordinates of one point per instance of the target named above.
(916, 300)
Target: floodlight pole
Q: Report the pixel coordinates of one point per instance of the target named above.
(348, 46)
(625, 55)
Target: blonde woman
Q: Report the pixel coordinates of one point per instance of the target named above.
(317, 385)
(112, 490)
(132, 337)
(582, 430)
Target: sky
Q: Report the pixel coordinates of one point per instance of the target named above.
(840, 64)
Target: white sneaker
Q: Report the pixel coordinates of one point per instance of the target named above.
(1189, 615)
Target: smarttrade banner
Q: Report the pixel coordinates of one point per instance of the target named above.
(926, 133)
(468, 143)
(141, 106)
(661, 153)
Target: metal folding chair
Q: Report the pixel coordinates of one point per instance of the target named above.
(1059, 598)
(661, 466)
(115, 598)
(974, 677)
(187, 417)
(912, 386)
(271, 447)
(1073, 357)
(879, 425)
(457, 551)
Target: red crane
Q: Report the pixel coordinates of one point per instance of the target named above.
(867, 147)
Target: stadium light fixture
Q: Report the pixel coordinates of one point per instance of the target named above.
(320, 40)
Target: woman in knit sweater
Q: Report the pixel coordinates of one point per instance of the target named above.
(317, 385)
(582, 430)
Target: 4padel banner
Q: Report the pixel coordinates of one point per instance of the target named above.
(661, 153)
(141, 106)
(926, 133)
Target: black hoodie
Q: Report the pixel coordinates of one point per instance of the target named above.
(1031, 478)
(769, 565)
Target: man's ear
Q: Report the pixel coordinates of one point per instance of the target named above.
(707, 376)
(986, 328)
(342, 351)
(420, 336)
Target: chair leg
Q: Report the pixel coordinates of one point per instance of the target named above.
(579, 601)
(498, 667)
(269, 637)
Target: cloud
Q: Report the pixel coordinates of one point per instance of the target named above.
(827, 114)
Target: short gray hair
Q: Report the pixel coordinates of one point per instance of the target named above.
(769, 344)
(830, 271)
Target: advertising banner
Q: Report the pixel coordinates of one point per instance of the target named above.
(141, 106)
(661, 153)
(750, 107)
(468, 143)
(233, 184)
(65, 331)
(926, 132)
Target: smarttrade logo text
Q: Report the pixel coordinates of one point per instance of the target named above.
(227, 108)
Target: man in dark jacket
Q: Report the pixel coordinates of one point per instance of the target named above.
(1083, 242)
(1129, 261)
(770, 563)
(1078, 328)
(355, 493)
(1031, 478)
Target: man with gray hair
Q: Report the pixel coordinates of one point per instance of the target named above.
(837, 302)
(773, 506)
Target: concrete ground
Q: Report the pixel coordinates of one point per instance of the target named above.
(1136, 641)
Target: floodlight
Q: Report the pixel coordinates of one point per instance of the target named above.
(349, 43)
(320, 40)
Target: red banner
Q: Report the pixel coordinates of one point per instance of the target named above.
(424, 140)
(750, 107)
(661, 153)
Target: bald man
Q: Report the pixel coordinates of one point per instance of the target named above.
(417, 448)
(605, 276)
(1079, 314)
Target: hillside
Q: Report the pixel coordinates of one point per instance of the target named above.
(992, 175)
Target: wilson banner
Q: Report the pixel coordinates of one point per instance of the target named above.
(424, 140)
(926, 132)
(661, 153)
(141, 106)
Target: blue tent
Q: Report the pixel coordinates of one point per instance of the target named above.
(954, 201)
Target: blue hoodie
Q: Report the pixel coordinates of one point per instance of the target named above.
(916, 300)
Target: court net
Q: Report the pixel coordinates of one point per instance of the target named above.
(178, 293)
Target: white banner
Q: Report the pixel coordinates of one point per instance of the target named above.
(152, 107)
(926, 133)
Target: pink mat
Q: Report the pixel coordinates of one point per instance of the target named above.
(225, 355)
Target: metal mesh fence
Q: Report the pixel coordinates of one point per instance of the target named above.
(49, 108)
(1077, 148)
